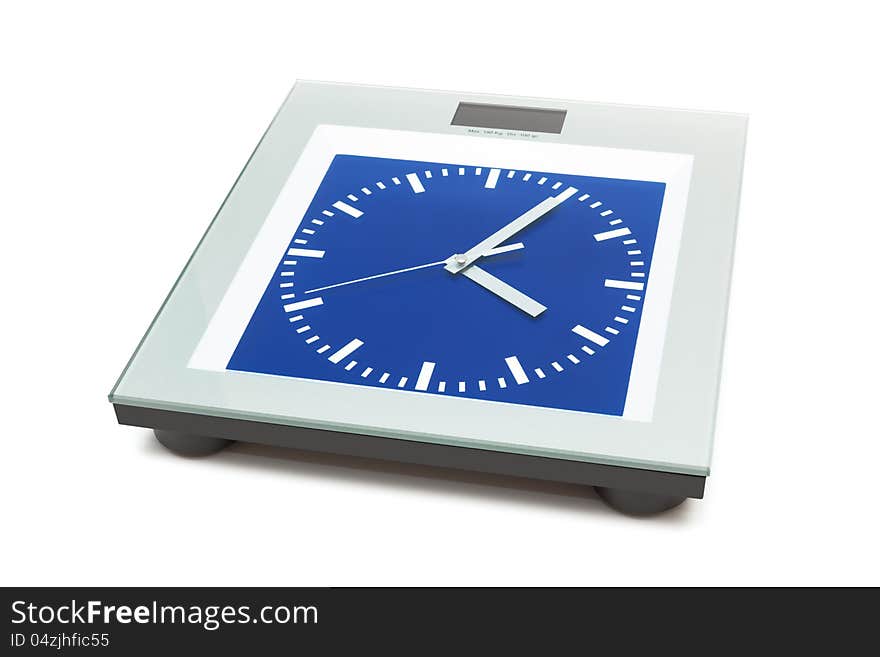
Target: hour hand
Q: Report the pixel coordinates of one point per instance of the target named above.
(510, 294)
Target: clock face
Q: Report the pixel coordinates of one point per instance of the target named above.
(369, 291)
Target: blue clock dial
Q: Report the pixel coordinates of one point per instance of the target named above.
(524, 287)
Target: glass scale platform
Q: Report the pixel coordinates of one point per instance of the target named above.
(508, 285)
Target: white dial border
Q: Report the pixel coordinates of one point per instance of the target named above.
(289, 211)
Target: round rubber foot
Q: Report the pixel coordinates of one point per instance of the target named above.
(189, 445)
(637, 504)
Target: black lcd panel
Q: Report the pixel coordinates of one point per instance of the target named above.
(509, 117)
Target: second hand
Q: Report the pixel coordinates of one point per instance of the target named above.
(490, 252)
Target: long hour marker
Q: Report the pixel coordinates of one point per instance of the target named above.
(492, 178)
(301, 305)
(415, 183)
(425, 375)
(305, 253)
(592, 336)
(611, 234)
(347, 209)
(346, 351)
(519, 374)
(624, 285)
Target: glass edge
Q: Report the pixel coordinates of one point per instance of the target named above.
(199, 244)
(741, 115)
(673, 468)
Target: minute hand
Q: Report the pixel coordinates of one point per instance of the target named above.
(457, 263)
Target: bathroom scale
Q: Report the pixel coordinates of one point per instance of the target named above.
(505, 285)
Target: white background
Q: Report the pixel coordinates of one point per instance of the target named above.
(122, 129)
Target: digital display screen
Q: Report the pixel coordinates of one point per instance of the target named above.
(509, 117)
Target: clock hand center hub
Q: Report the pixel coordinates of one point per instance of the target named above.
(456, 262)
